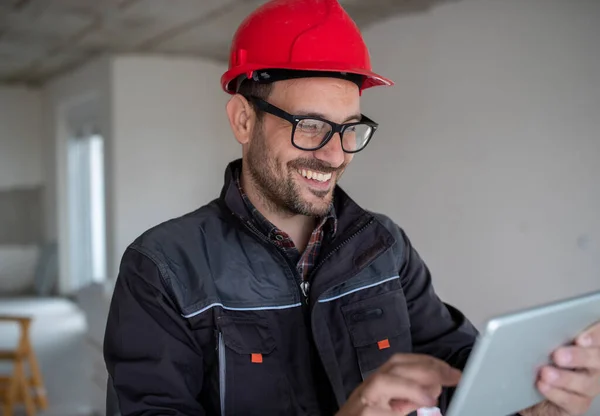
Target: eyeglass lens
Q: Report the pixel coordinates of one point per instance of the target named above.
(310, 134)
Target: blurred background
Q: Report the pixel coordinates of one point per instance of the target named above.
(112, 120)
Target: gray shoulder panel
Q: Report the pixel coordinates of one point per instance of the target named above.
(211, 262)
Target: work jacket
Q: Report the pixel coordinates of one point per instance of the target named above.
(208, 316)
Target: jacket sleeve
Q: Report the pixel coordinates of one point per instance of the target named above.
(437, 329)
(151, 356)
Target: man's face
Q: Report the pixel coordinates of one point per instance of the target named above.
(290, 180)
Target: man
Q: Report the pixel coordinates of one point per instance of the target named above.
(283, 296)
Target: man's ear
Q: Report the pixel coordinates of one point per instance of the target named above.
(241, 118)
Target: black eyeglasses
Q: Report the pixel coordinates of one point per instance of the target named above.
(312, 133)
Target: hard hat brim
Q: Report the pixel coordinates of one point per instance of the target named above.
(372, 79)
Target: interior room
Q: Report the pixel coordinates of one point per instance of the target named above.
(112, 120)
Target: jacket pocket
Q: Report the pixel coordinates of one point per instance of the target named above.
(250, 373)
(379, 327)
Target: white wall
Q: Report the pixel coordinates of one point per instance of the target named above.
(172, 141)
(20, 137)
(88, 89)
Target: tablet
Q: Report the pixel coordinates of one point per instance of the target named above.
(499, 378)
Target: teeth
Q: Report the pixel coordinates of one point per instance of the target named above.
(321, 177)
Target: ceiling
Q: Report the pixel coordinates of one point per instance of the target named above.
(40, 39)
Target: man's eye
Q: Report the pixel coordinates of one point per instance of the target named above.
(311, 126)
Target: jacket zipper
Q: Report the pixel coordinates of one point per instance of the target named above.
(331, 253)
(305, 287)
(222, 372)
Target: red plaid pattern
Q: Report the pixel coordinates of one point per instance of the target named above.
(305, 261)
(309, 257)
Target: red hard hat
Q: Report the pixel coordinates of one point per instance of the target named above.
(306, 35)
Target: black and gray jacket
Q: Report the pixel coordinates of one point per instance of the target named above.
(207, 316)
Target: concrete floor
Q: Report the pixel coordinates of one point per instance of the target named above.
(58, 339)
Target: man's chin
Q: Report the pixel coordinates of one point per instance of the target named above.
(320, 195)
(319, 202)
(316, 200)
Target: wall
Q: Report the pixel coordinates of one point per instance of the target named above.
(21, 183)
(21, 187)
(77, 98)
(20, 137)
(171, 132)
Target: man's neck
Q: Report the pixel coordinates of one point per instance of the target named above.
(298, 227)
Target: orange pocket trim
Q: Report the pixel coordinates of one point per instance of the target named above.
(256, 358)
(383, 344)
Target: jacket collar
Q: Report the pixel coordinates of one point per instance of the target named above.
(230, 194)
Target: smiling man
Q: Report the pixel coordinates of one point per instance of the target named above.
(283, 296)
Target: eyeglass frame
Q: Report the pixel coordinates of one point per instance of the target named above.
(295, 119)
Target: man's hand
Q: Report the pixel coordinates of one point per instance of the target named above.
(405, 383)
(573, 382)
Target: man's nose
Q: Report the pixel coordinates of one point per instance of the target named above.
(332, 153)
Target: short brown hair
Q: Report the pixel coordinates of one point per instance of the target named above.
(250, 88)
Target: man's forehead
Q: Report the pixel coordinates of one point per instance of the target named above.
(333, 98)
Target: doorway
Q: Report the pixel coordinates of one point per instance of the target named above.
(87, 217)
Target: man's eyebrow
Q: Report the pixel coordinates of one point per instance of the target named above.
(354, 117)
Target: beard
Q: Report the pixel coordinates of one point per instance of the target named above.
(276, 186)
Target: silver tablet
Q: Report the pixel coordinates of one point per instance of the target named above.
(499, 378)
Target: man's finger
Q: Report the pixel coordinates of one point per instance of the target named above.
(430, 368)
(427, 376)
(376, 411)
(383, 388)
(417, 358)
(590, 337)
(583, 383)
(577, 357)
(572, 404)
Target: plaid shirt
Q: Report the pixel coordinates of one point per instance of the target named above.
(305, 261)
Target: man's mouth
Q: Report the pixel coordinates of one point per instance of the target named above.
(315, 176)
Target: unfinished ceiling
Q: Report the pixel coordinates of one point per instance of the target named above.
(40, 39)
